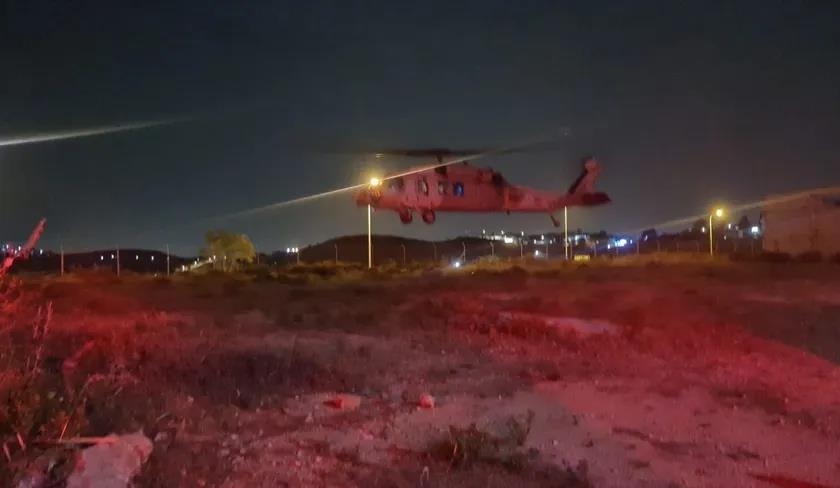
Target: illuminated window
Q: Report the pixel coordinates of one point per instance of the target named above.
(458, 189)
(441, 188)
(423, 187)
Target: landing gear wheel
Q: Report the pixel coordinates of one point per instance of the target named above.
(406, 216)
(429, 216)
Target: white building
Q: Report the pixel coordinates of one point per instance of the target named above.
(801, 223)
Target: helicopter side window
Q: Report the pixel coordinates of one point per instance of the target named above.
(423, 187)
(441, 188)
(458, 189)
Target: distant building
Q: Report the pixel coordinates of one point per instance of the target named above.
(797, 224)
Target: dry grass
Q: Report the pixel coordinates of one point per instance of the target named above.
(214, 355)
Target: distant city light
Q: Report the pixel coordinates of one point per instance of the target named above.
(536, 253)
(754, 229)
(621, 243)
(112, 255)
(102, 258)
(137, 257)
(153, 258)
(508, 240)
(457, 264)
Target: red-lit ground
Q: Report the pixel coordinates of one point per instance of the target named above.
(706, 376)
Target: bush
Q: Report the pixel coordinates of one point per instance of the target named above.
(775, 257)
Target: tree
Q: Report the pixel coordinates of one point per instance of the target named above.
(699, 226)
(744, 224)
(227, 249)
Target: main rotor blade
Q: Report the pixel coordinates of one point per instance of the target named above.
(468, 157)
(86, 132)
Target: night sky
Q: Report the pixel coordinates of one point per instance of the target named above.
(686, 104)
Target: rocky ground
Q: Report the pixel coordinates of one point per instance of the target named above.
(695, 376)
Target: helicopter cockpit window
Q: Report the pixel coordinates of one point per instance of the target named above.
(423, 187)
(458, 189)
(441, 188)
(396, 184)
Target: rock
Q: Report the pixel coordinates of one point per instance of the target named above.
(112, 463)
(164, 440)
(345, 401)
(427, 401)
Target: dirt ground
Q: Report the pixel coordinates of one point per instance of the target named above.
(638, 376)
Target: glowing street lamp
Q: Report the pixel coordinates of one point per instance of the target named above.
(719, 214)
(374, 182)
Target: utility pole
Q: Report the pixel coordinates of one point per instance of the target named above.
(565, 232)
(335, 244)
(521, 250)
(370, 239)
(118, 261)
(492, 249)
(403, 250)
(62, 259)
(464, 254)
(167, 260)
(711, 239)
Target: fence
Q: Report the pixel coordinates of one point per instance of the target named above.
(386, 251)
(389, 251)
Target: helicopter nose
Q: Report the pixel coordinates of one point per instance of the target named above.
(362, 197)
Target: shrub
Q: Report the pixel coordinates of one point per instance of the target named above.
(810, 257)
(775, 257)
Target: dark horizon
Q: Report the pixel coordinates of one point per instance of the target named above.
(687, 105)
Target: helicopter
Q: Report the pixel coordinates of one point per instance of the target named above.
(462, 187)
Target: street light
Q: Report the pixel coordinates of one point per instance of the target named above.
(717, 213)
(374, 182)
